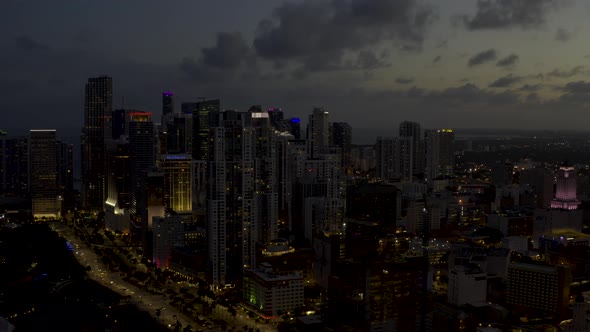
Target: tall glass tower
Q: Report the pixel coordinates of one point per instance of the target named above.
(98, 108)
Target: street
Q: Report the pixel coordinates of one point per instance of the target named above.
(141, 298)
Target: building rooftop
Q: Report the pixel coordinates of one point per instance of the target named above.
(534, 267)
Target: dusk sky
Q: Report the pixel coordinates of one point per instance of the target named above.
(372, 63)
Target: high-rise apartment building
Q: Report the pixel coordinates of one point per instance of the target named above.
(98, 105)
(395, 158)
(342, 138)
(43, 173)
(413, 130)
(242, 201)
(440, 153)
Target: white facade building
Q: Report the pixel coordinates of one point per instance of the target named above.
(271, 293)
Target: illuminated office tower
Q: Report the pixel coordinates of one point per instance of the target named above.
(14, 165)
(43, 165)
(318, 132)
(178, 181)
(242, 201)
(98, 107)
(412, 129)
(565, 189)
(206, 110)
(141, 150)
(440, 153)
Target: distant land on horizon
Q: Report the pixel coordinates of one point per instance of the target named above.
(362, 136)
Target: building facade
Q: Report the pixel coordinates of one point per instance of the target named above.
(98, 107)
(43, 173)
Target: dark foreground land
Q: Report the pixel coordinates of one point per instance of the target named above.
(43, 288)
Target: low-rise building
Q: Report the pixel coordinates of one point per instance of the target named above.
(270, 293)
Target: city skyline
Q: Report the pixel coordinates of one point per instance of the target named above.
(453, 63)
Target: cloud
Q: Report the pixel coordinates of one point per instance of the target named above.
(403, 80)
(312, 30)
(530, 87)
(230, 51)
(482, 57)
(563, 35)
(508, 61)
(533, 98)
(442, 44)
(437, 59)
(503, 14)
(559, 73)
(577, 87)
(576, 93)
(26, 43)
(369, 60)
(506, 81)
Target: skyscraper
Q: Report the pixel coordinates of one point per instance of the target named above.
(318, 132)
(412, 129)
(242, 202)
(178, 182)
(141, 149)
(295, 127)
(14, 165)
(167, 108)
(394, 158)
(65, 173)
(565, 189)
(43, 153)
(206, 110)
(342, 138)
(440, 153)
(276, 117)
(98, 107)
(118, 203)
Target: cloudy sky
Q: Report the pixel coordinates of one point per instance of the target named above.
(372, 63)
